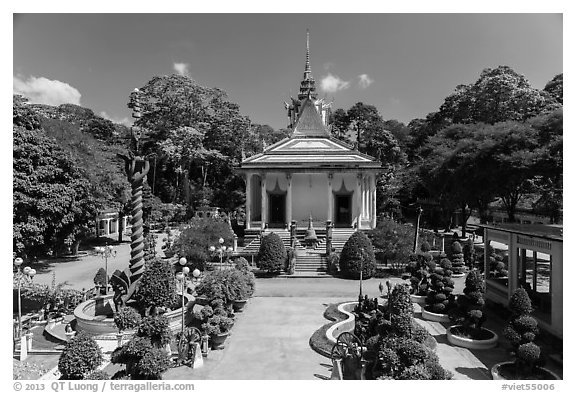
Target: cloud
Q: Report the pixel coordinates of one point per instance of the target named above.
(46, 91)
(332, 83)
(328, 65)
(126, 121)
(182, 69)
(364, 81)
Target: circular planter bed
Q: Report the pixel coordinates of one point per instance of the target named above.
(434, 317)
(238, 305)
(418, 299)
(457, 336)
(458, 275)
(507, 371)
(218, 340)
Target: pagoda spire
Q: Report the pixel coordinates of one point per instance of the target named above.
(308, 85)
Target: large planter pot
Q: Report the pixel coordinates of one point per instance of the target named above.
(507, 371)
(418, 299)
(238, 305)
(434, 317)
(218, 340)
(453, 338)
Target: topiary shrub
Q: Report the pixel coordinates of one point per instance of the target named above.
(100, 277)
(144, 355)
(228, 284)
(469, 312)
(358, 253)
(80, 356)
(405, 359)
(127, 318)
(243, 266)
(521, 330)
(419, 269)
(469, 253)
(156, 328)
(458, 266)
(272, 254)
(440, 298)
(157, 286)
(401, 310)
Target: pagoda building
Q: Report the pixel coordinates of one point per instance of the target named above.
(310, 174)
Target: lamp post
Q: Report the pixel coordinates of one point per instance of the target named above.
(419, 211)
(30, 273)
(221, 250)
(106, 252)
(181, 276)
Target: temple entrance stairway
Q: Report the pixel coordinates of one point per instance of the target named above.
(308, 259)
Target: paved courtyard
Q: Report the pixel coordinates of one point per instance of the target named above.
(270, 340)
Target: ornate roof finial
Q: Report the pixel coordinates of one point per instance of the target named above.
(308, 85)
(307, 68)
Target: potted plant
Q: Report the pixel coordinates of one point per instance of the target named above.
(521, 331)
(440, 298)
(458, 266)
(214, 320)
(419, 269)
(469, 317)
(126, 319)
(236, 289)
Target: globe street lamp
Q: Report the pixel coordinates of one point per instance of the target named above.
(28, 271)
(105, 253)
(181, 276)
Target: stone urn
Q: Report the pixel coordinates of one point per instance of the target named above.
(218, 340)
(238, 305)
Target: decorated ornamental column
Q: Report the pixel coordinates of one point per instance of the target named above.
(248, 199)
(359, 200)
(289, 199)
(330, 213)
(373, 214)
(264, 203)
(329, 227)
(136, 168)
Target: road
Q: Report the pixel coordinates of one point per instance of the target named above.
(79, 273)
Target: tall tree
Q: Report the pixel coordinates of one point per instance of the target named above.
(556, 88)
(51, 200)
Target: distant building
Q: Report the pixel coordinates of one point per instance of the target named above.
(310, 173)
(107, 223)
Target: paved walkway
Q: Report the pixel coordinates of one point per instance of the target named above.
(270, 340)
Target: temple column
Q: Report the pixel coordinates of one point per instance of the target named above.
(330, 214)
(359, 200)
(264, 202)
(248, 199)
(289, 199)
(374, 214)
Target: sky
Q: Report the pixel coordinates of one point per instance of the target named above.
(404, 64)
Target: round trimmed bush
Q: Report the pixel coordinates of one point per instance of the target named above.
(127, 318)
(153, 364)
(520, 302)
(157, 286)
(80, 356)
(356, 253)
(156, 328)
(469, 312)
(272, 254)
(529, 352)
